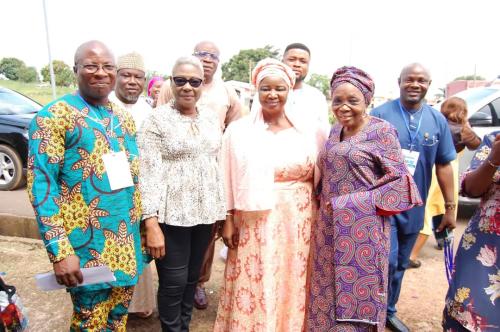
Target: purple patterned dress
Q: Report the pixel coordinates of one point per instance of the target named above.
(364, 180)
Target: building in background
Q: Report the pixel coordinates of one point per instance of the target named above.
(454, 87)
(245, 92)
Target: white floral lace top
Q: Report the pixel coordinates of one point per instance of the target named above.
(180, 179)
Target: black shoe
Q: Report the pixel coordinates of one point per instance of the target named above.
(394, 324)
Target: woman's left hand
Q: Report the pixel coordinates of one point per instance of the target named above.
(155, 241)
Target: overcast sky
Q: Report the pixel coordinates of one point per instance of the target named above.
(450, 37)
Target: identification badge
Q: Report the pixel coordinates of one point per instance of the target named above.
(411, 159)
(118, 170)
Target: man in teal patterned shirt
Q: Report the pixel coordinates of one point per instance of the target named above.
(82, 182)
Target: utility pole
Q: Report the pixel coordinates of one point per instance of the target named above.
(51, 68)
(474, 76)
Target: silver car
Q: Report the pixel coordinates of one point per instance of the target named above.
(484, 116)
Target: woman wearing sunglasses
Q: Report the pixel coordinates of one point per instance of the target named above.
(182, 192)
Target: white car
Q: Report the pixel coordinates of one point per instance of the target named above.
(483, 105)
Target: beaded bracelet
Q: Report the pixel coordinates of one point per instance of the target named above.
(450, 206)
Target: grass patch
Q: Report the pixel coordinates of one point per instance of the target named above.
(41, 93)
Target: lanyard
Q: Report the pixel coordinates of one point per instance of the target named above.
(407, 123)
(99, 121)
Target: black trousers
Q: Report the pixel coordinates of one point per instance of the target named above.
(178, 274)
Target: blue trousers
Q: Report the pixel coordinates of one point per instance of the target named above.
(399, 256)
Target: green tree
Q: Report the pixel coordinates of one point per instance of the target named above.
(10, 68)
(239, 67)
(469, 78)
(63, 73)
(321, 82)
(151, 74)
(28, 74)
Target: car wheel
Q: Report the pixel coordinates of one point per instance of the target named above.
(11, 168)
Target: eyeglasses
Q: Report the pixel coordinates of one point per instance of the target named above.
(92, 69)
(204, 54)
(181, 81)
(350, 103)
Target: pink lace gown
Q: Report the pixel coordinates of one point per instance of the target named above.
(265, 276)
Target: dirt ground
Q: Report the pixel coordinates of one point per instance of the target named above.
(420, 304)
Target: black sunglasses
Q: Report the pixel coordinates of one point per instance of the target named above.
(181, 81)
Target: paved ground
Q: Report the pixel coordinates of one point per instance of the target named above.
(420, 305)
(16, 203)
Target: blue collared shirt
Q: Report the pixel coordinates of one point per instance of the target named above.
(434, 144)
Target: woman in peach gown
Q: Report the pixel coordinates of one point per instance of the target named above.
(269, 163)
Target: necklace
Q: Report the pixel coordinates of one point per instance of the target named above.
(194, 129)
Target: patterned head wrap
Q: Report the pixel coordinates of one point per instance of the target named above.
(130, 61)
(154, 79)
(355, 76)
(272, 67)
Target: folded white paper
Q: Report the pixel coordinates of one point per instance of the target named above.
(91, 275)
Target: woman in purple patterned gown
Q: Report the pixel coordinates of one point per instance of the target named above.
(363, 181)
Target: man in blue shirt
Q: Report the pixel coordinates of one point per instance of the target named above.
(426, 141)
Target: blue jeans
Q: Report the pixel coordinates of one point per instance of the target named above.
(399, 256)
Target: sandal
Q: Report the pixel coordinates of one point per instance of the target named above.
(414, 264)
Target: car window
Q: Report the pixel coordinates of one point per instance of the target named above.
(14, 103)
(475, 97)
(496, 111)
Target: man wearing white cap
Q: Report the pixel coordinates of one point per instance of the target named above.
(130, 81)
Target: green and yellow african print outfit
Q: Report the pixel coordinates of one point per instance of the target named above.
(102, 310)
(68, 186)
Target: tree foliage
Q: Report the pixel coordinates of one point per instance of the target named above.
(321, 82)
(10, 68)
(239, 67)
(62, 72)
(470, 78)
(28, 74)
(151, 74)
